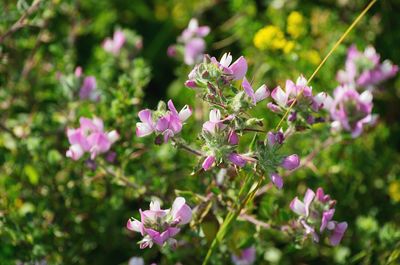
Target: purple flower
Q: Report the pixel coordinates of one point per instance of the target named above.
(194, 44)
(275, 138)
(277, 180)
(237, 159)
(364, 70)
(208, 162)
(89, 137)
(159, 226)
(302, 208)
(261, 93)
(316, 214)
(115, 44)
(237, 70)
(338, 232)
(167, 125)
(171, 51)
(291, 162)
(194, 50)
(351, 110)
(233, 138)
(88, 89)
(215, 123)
(246, 257)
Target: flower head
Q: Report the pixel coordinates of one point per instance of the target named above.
(115, 44)
(316, 213)
(89, 137)
(246, 256)
(158, 226)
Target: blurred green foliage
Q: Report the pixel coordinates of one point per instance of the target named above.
(59, 210)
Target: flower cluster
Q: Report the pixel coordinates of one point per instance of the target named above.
(350, 110)
(304, 110)
(315, 216)
(363, 70)
(295, 24)
(89, 137)
(164, 123)
(158, 226)
(114, 45)
(192, 39)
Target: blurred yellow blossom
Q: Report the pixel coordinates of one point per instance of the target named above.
(394, 190)
(295, 24)
(269, 37)
(312, 56)
(288, 46)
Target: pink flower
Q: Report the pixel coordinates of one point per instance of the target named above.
(215, 123)
(302, 208)
(237, 70)
(194, 44)
(237, 159)
(89, 137)
(275, 138)
(88, 89)
(350, 110)
(277, 180)
(159, 226)
(291, 162)
(167, 125)
(364, 70)
(208, 162)
(233, 138)
(261, 93)
(246, 257)
(316, 214)
(115, 44)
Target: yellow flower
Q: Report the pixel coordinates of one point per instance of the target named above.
(288, 47)
(394, 190)
(295, 24)
(269, 37)
(312, 56)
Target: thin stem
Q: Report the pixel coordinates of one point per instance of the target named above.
(20, 22)
(187, 148)
(254, 130)
(349, 29)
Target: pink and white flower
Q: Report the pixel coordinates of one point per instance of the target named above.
(115, 44)
(158, 226)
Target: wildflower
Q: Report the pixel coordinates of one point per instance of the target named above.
(277, 180)
(237, 69)
(168, 124)
(89, 137)
(233, 138)
(350, 110)
(316, 212)
(215, 123)
(193, 42)
(158, 226)
(246, 256)
(88, 89)
(115, 44)
(261, 93)
(364, 70)
(305, 104)
(295, 24)
(291, 162)
(269, 37)
(275, 138)
(171, 51)
(208, 162)
(237, 159)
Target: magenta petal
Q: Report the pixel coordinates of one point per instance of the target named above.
(326, 218)
(249, 90)
(208, 162)
(239, 68)
(237, 159)
(277, 180)
(291, 162)
(181, 211)
(338, 233)
(233, 138)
